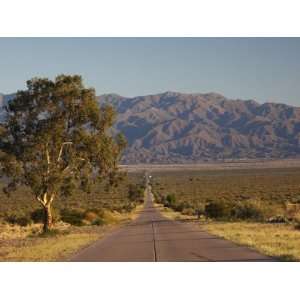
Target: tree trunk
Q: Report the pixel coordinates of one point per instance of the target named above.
(48, 220)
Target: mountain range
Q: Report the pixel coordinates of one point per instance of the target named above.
(175, 127)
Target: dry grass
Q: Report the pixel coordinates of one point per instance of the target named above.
(171, 214)
(10, 232)
(27, 244)
(277, 240)
(271, 190)
(21, 202)
(48, 248)
(116, 217)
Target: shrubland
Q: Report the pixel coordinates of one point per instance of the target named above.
(94, 208)
(270, 195)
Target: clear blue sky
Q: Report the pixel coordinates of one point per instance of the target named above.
(265, 69)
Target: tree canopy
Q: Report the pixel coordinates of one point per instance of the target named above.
(56, 137)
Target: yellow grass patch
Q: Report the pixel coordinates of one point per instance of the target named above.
(24, 243)
(48, 249)
(277, 240)
(172, 214)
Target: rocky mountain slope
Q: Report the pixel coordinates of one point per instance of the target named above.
(175, 128)
(184, 128)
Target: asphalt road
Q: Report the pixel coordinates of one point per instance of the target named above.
(152, 237)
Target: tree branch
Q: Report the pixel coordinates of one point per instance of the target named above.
(48, 159)
(40, 200)
(61, 150)
(51, 198)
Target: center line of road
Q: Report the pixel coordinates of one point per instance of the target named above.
(154, 242)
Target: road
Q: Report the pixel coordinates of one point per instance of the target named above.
(152, 237)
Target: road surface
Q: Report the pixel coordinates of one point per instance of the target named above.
(152, 237)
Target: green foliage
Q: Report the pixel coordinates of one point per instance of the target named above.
(98, 222)
(252, 194)
(21, 220)
(136, 193)
(217, 210)
(169, 200)
(56, 138)
(79, 217)
(182, 206)
(38, 215)
(91, 216)
(100, 199)
(248, 210)
(72, 216)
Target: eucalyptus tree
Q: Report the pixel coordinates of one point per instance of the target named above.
(57, 138)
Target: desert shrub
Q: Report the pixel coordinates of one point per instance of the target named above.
(90, 216)
(123, 207)
(72, 216)
(18, 220)
(170, 200)
(199, 209)
(10, 219)
(136, 193)
(181, 206)
(297, 223)
(247, 210)
(38, 215)
(218, 210)
(94, 216)
(278, 219)
(159, 198)
(23, 221)
(98, 222)
(296, 199)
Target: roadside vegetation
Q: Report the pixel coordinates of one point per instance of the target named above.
(29, 243)
(257, 208)
(80, 208)
(78, 221)
(59, 167)
(277, 240)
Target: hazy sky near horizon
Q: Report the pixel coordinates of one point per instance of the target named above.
(264, 69)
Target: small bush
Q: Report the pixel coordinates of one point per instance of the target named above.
(169, 200)
(278, 219)
(217, 210)
(199, 210)
(21, 221)
(98, 222)
(297, 226)
(72, 216)
(38, 215)
(90, 216)
(247, 211)
(128, 207)
(136, 193)
(181, 206)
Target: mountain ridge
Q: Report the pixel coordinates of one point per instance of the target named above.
(173, 127)
(176, 127)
